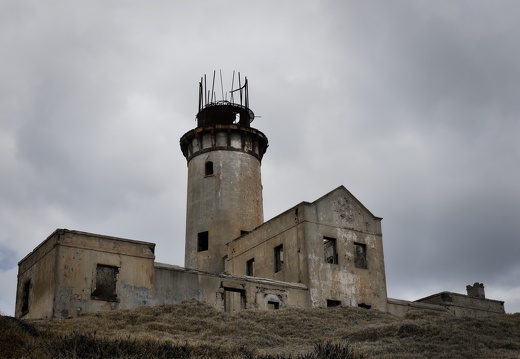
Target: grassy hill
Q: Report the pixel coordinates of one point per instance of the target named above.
(195, 330)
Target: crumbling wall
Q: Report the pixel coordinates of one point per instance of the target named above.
(37, 281)
(333, 246)
(401, 307)
(174, 284)
(275, 247)
(88, 263)
(356, 276)
(463, 305)
(75, 272)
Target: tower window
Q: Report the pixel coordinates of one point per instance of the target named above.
(278, 258)
(106, 280)
(330, 250)
(203, 241)
(208, 168)
(360, 255)
(25, 296)
(250, 267)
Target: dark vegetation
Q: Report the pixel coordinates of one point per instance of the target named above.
(195, 330)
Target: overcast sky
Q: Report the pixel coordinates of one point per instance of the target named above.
(413, 106)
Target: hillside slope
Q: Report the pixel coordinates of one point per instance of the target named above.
(196, 330)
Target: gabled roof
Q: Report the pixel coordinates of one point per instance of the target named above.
(331, 193)
(343, 189)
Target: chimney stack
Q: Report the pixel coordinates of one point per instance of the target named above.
(476, 290)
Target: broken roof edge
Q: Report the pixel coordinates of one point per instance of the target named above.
(458, 295)
(342, 187)
(230, 276)
(60, 231)
(42, 243)
(306, 203)
(418, 305)
(104, 236)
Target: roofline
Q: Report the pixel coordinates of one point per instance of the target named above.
(459, 295)
(246, 278)
(357, 200)
(305, 203)
(61, 231)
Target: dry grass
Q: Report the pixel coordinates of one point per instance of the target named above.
(202, 331)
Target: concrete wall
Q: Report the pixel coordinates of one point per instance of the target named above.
(69, 274)
(402, 307)
(81, 253)
(38, 269)
(224, 291)
(174, 284)
(301, 231)
(260, 244)
(340, 216)
(63, 273)
(63, 276)
(234, 293)
(463, 305)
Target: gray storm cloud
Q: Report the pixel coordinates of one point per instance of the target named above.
(412, 105)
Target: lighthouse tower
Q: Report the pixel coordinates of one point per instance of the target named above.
(224, 155)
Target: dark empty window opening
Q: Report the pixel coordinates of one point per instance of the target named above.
(202, 244)
(278, 258)
(364, 306)
(250, 267)
(330, 250)
(273, 305)
(25, 296)
(360, 255)
(208, 169)
(333, 303)
(445, 297)
(106, 280)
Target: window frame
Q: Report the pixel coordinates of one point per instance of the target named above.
(250, 267)
(203, 241)
(103, 290)
(208, 169)
(329, 242)
(278, 258)
(26, 290)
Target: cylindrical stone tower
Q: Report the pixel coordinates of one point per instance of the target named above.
(224, 156)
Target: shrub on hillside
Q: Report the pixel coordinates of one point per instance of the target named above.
(16, 337)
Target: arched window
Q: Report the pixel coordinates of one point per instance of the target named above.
(208, 169)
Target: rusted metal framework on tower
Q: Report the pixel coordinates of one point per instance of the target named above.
(231, 109)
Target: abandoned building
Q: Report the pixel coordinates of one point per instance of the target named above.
(320, 254)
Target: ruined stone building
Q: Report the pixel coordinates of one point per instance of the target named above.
(325, 253)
